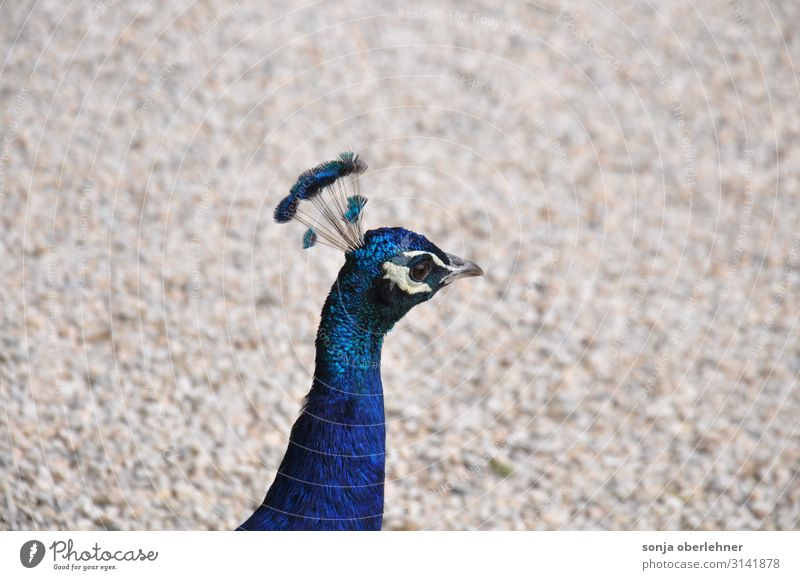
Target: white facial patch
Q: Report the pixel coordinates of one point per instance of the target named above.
(401, 275)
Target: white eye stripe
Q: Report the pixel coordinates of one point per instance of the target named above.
(401, 275)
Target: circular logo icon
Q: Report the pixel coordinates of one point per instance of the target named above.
(31, 553)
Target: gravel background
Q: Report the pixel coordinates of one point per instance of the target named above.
(627, 174)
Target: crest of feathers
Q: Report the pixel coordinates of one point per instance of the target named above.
(333, 212)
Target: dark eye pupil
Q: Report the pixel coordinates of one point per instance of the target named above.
(419, 271)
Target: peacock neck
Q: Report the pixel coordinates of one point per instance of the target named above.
(348, 345)
(333, 472)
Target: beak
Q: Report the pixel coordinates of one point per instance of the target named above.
(460, 268)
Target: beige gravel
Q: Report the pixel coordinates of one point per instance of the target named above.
(627, 175)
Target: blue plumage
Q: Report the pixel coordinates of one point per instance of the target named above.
(309, 187)
(286, 209)
(355, 203)
(312, 182)
(332, 475)
(309, 238)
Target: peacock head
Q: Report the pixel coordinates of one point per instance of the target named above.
(387, 271)
(399, 269)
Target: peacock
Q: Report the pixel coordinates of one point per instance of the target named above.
(332, 475)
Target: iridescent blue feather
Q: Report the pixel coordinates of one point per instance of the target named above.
(311, 182)
(309, 238)
(286, 209)
(327, 227)
(355, 203)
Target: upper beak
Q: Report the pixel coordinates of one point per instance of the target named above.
(461, 268)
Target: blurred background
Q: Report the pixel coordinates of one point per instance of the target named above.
(627, 175)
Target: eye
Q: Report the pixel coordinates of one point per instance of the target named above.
(421, 270)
